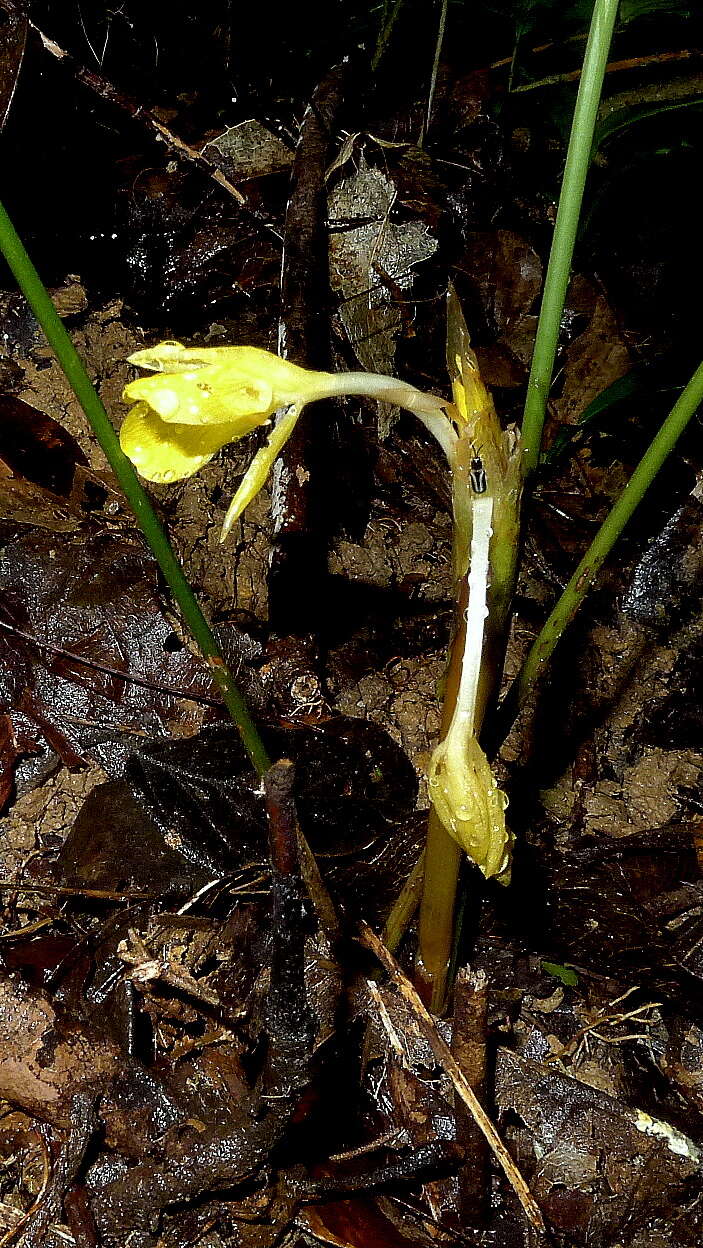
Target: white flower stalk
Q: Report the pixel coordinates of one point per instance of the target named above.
(462, 787)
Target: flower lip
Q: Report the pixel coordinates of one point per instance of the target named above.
(164, 452)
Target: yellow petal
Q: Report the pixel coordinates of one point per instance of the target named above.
(262, 463)
(166, 452)
(172, 357)
(205, 397)
(201, 385)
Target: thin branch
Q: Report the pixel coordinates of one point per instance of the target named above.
(107, 91)
(447, 1061)
(95, 665)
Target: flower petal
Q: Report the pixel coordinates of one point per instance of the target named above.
(262, 463)
(167, 452)
(207, 396)
(170, 357)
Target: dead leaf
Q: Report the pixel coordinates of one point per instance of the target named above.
(371, 262)
(80, 617)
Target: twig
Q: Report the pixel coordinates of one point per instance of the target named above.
(107, 91)
(449, 1065)
(283, 822)
(127, 104)
(441, 31)
(613, 67)
(55, 890)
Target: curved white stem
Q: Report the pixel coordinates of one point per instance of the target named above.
(429, 408)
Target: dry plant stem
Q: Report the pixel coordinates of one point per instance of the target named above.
(448, 1062)
(106, 90)
(441, 31)
(283, 824)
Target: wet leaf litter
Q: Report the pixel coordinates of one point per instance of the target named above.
(228, 1065)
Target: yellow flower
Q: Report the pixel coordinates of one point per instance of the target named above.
(201, 398)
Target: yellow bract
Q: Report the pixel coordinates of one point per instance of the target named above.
(471, 398)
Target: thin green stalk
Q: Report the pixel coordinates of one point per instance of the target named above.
(611, 528)
(578, 158)
(390, 16)
(443, 859)
(441, 31)
(401, 913)
(36, 295)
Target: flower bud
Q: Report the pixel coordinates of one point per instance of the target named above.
(468, 802)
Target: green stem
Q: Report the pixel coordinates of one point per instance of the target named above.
(578, 158)
(443, 859)
(36, 295)
(401, 913)
(441, 32)
(611, 528)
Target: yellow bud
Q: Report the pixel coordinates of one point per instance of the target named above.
(469, 804)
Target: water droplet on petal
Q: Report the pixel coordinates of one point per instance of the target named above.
(165, 402)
